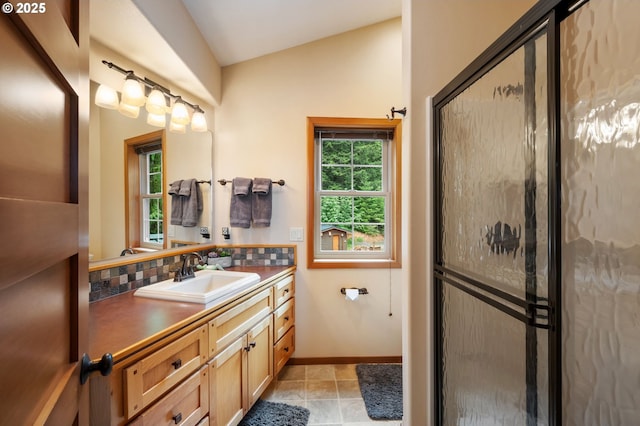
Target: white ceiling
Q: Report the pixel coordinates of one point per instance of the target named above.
(238, 30)
(235, 30)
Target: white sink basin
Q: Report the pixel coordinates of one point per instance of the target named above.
(207, 287)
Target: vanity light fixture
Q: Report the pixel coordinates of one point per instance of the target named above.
(177, 128)
(129, 110)
(133, 97)
(156, 102)
(179, 113)
(157, 120)
(132, 92)
(198, 121)
(107, 97)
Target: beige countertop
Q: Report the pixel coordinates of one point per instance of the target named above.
(125, 324)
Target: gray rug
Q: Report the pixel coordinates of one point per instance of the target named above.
(266, 413)
(381, 388)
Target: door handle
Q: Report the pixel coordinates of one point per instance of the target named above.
(104, 366)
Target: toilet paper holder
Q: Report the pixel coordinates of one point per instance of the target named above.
(362, 290)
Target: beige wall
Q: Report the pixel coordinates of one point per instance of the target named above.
(261, 132)
(440, 38)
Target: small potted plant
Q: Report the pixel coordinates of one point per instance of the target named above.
(219, 256)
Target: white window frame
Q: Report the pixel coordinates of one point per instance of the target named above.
(145, 179)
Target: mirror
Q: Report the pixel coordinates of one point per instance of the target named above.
(187, 156)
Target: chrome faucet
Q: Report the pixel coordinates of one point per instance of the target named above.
(186, 271)
(127, 250)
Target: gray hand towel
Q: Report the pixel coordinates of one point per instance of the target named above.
(185, 188)
(261, 203)
(176, 203)
(192, 204)
(240, 211)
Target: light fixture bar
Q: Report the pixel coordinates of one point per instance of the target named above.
(151, 84)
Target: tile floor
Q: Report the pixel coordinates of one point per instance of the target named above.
(330, 392)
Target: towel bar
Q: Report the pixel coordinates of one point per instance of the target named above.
(223, 182)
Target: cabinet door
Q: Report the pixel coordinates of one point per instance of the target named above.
(260, 359)
(227, 400)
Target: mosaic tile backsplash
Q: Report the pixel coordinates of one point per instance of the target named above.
(113, 281)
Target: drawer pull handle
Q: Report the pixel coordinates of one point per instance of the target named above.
(286, 318)
(286, 290)
(177, 418)
(177, 363)
(286, 349)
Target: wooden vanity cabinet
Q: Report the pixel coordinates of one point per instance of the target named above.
(209, 373)
(154, 375)
(284, 320)
(240, 373)
(186, 405)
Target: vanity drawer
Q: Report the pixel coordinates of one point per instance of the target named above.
(284, 318)
(186, 405)
(149, 378)
(283, 350)
(230, 325)
(283, 290)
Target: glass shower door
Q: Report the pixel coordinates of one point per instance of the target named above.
(600, 161)
(491, 246)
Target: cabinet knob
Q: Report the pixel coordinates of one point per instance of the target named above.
(177, 418)
(286, 318)
(104, 366)
(286, 349)
(177, 363)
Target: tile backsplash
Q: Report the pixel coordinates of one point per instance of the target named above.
(120, 279)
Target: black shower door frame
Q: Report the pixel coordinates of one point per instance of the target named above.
(534, 312)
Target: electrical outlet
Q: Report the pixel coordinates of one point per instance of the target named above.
(204, 230)
(296, 234)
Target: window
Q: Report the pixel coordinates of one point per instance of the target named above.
(145, 198)
(354, 179)
(151, 212)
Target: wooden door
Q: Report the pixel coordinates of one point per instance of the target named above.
(44, 105)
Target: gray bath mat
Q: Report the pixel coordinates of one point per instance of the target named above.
(381, 388)
(266, 413)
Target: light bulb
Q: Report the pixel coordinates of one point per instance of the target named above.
(157, 120)
(156, 102)
(177, 128)
(129, 110)
(198, 122)
(106, 97)
(179, 113)
(132, 93)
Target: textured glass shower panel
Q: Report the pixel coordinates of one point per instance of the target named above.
(489, 143)
(483, 357)
(600, 146)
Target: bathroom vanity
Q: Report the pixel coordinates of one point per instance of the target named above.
(189, 364)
